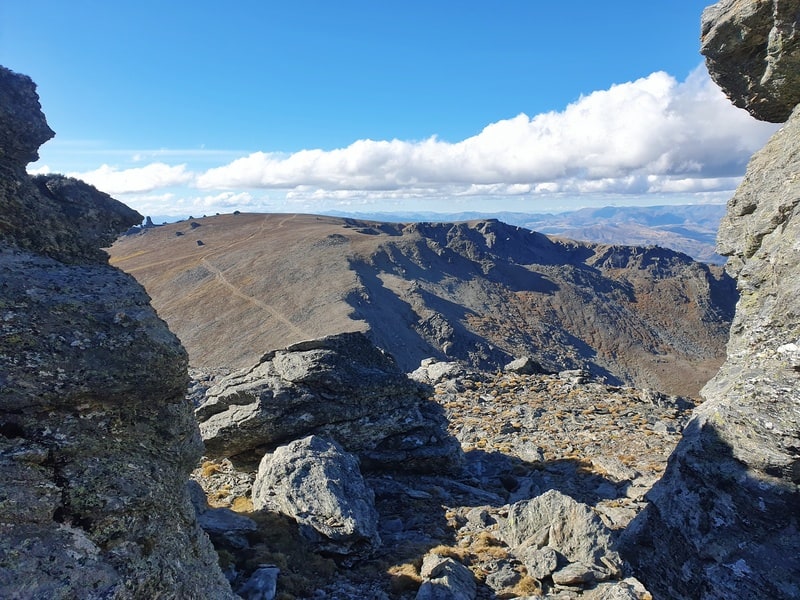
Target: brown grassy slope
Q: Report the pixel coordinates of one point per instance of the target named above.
(480, 291)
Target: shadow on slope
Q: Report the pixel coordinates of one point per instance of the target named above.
(717, 527)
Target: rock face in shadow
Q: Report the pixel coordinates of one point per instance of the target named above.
(724, 521)
(96, 438)
(341, 387)
(752, 50)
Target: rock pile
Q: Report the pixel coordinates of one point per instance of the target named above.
(554, 466)
(724, 520)
(96, 438)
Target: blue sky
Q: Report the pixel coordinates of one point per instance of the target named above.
(181, 108)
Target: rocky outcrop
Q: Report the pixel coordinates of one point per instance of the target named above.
(341, 387)
(320, 486)
(723, 522)
(752, 50)
(96, 438)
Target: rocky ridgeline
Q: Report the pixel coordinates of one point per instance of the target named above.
(723, 522)
(96, 438)
(546, 470)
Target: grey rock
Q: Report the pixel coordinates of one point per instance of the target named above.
(524, 365)
(540, 562)
(445, 579)
(503, 576)
(574, 574)
(97, 438)
(262, 584)
(432, 371)
(317, 483)
(723, 521)
(341, 387)
(628, 589)
(569, 527)
(752, 51)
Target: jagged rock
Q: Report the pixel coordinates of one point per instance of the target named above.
(341, 387)
(445, 579)
(96, 438)
(723, 522)
(432, 371)
(574, 574)
(752, 51)
(50, 215)
(316, 482)
(569, 527)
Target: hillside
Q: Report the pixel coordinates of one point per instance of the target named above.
(235, 286)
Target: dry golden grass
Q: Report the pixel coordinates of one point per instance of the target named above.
(404, 577)
(209, 468)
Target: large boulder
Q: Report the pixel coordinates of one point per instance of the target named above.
(572, 529)
(752, 50)
(319, 485)
(341, 387)
(96, 437)
(724, 521)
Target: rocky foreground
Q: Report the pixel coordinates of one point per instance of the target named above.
(447, 484)
(586, 451)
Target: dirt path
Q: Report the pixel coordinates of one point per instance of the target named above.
(269, 309)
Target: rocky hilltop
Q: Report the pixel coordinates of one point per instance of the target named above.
(481, 292)
(723, 522)
(96, 437)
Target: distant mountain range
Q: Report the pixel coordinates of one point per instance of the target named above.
(484, 292)
(687, 228)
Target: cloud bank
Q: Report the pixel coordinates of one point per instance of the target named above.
(654, 135)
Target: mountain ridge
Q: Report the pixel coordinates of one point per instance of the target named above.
(480, 291)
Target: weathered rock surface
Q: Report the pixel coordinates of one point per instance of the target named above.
(724, 520)
(341, 387)
(445, 579)
(316, 482)
(96, 438)
(752, 50)
(570, 528)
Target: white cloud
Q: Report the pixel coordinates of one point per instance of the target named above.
(650, 135)
(140, 179)
(654, 137)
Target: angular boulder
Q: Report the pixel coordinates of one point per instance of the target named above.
(319, 485)
(554, 520)
(341, 387)
(96, 438)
